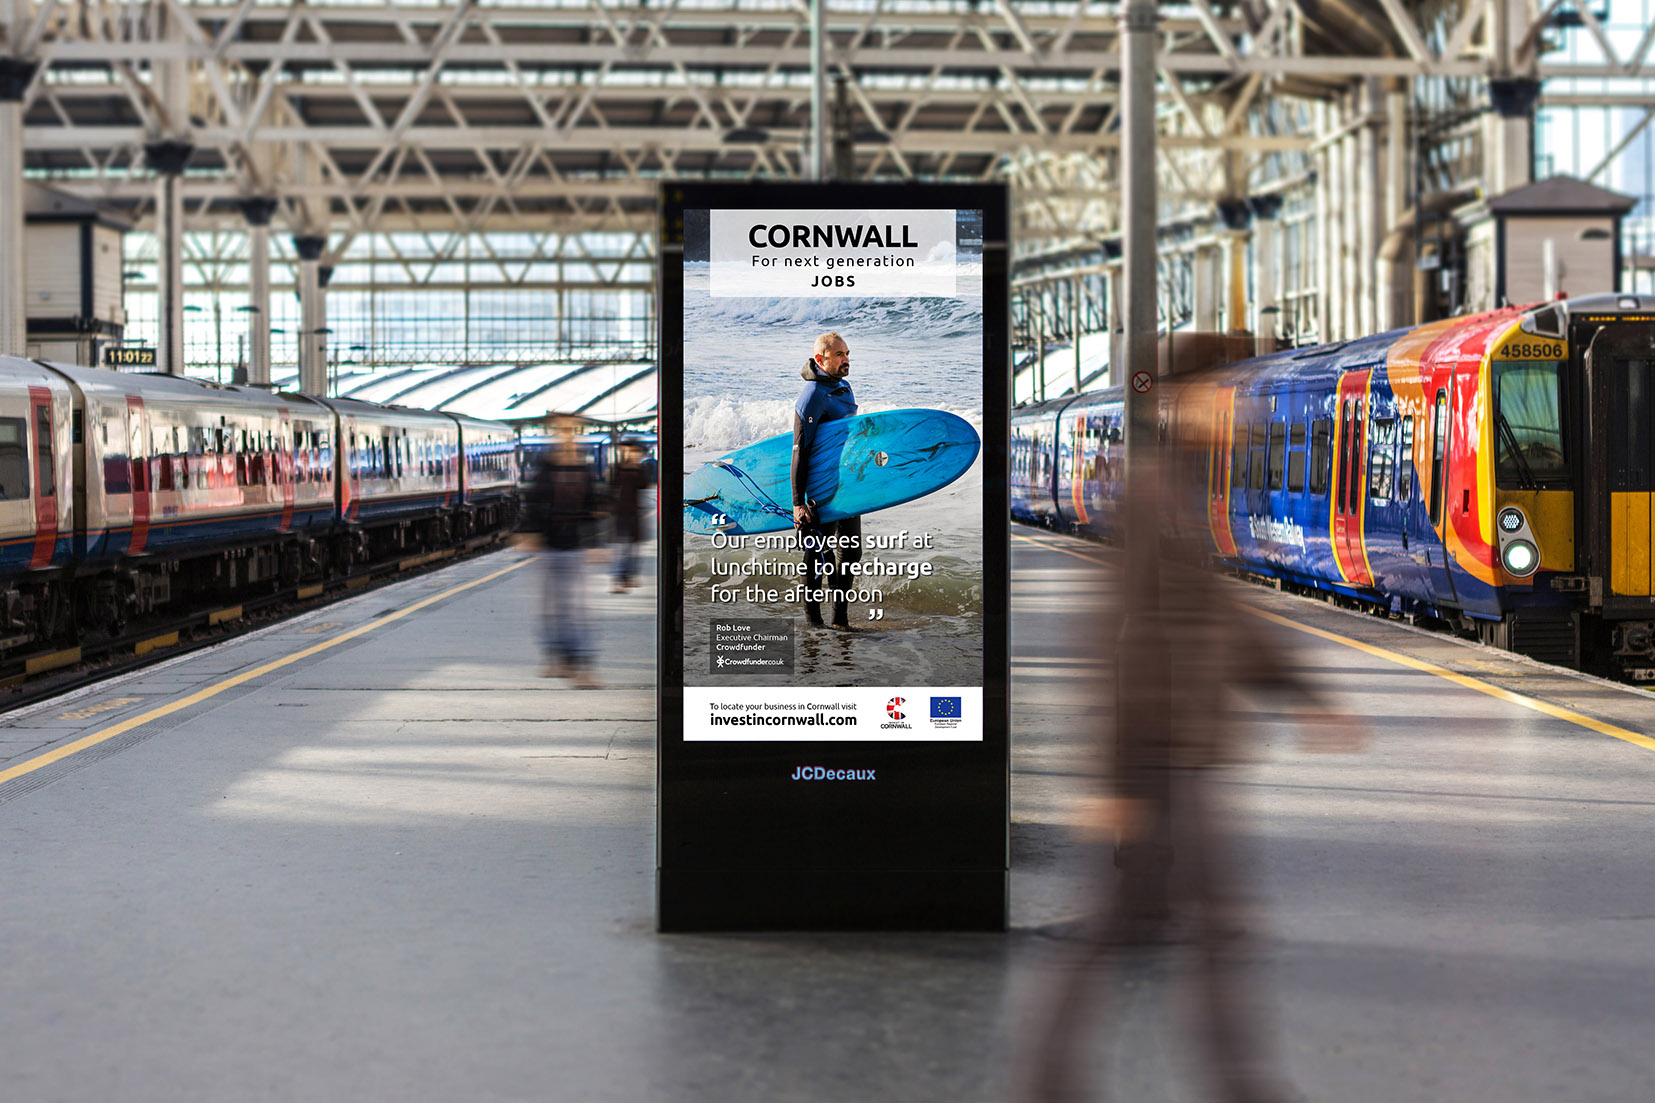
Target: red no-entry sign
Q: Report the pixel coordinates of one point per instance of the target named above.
(1142, 381)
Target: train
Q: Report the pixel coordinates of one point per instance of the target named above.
(1491, 472)
(120, 493)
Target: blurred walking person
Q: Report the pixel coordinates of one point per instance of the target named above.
(1176, 879)
(566, 505)
(627, 482)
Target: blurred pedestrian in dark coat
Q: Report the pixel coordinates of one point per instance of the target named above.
(566, 505)
(1176, 879)
(627, 483)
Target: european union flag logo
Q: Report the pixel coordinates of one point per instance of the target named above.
(945, 708)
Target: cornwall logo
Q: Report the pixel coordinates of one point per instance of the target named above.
(894, 707)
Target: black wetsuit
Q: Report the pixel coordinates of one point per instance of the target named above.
(823, 399)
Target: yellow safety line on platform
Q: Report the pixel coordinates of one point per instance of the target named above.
(1053, 547)
(81, 744)
(1531, 703)
(1495, 691)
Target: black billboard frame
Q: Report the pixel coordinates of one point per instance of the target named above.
(927, 847)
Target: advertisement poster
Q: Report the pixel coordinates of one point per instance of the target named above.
(833, 544)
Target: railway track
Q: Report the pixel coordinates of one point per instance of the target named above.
(36, 676)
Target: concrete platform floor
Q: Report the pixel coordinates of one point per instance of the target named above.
(403, 867)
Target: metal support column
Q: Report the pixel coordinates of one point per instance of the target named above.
(15, 75)
(1074, 326)
(1394, 293)
(1513, 91)
(313, 370)
(167, 159)
(1350, 230)
(1204, 317)
(1143, 692)
(815, 167)
(1237, 219)
(1324, 232)
(1114, 285)
(258, 213)
(1370, 212)
(1266, 264)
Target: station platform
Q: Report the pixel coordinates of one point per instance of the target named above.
(370, 854)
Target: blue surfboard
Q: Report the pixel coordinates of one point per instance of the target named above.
(856, 465)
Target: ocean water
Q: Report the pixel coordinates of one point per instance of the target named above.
(742, 361)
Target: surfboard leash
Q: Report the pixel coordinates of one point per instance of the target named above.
(767, 504)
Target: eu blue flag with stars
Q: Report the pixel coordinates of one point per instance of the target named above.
(945, 708)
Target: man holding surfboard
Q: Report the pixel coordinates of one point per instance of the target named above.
(828, 548)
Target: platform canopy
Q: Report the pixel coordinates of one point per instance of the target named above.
(609, 391)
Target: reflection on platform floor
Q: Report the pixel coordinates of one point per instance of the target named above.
(408, 868)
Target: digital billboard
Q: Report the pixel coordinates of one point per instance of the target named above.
(834, 593)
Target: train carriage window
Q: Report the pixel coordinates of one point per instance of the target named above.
(1345, 414)
(1356, 455)
(1238, 462)
(1295, 458)
(117, 469)
(1255, 462)
(1405, 462)
(14, 459)
(43, 448)
(1276, 456)
(1381, 458)
(1528, 421)
(1321, 454)
(1439, 454)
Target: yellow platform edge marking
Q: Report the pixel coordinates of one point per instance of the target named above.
(222, 615)
(1557, 711)
(1495, 691)
(1053, 547)
(309, 591)
(200, 695)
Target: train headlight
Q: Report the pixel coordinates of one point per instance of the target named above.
(1511, 519)
(1520, 557)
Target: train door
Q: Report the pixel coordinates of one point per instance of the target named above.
(45, 477)
(1219, 475)
(1620, 371)
(1349, 492)
(1438, 419)
(137, 447)
(286, 468)
(349, 463)
(1083, 490)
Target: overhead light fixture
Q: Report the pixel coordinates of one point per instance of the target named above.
(746, 135)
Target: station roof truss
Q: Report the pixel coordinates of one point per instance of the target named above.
(565, 114)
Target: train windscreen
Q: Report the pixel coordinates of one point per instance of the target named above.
(1530, 447)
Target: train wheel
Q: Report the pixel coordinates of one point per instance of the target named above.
(53, 622)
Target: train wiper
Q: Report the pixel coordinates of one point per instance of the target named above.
(1525, 476)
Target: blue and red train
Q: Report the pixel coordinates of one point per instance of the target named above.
(1495, 471)
(120, 493)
